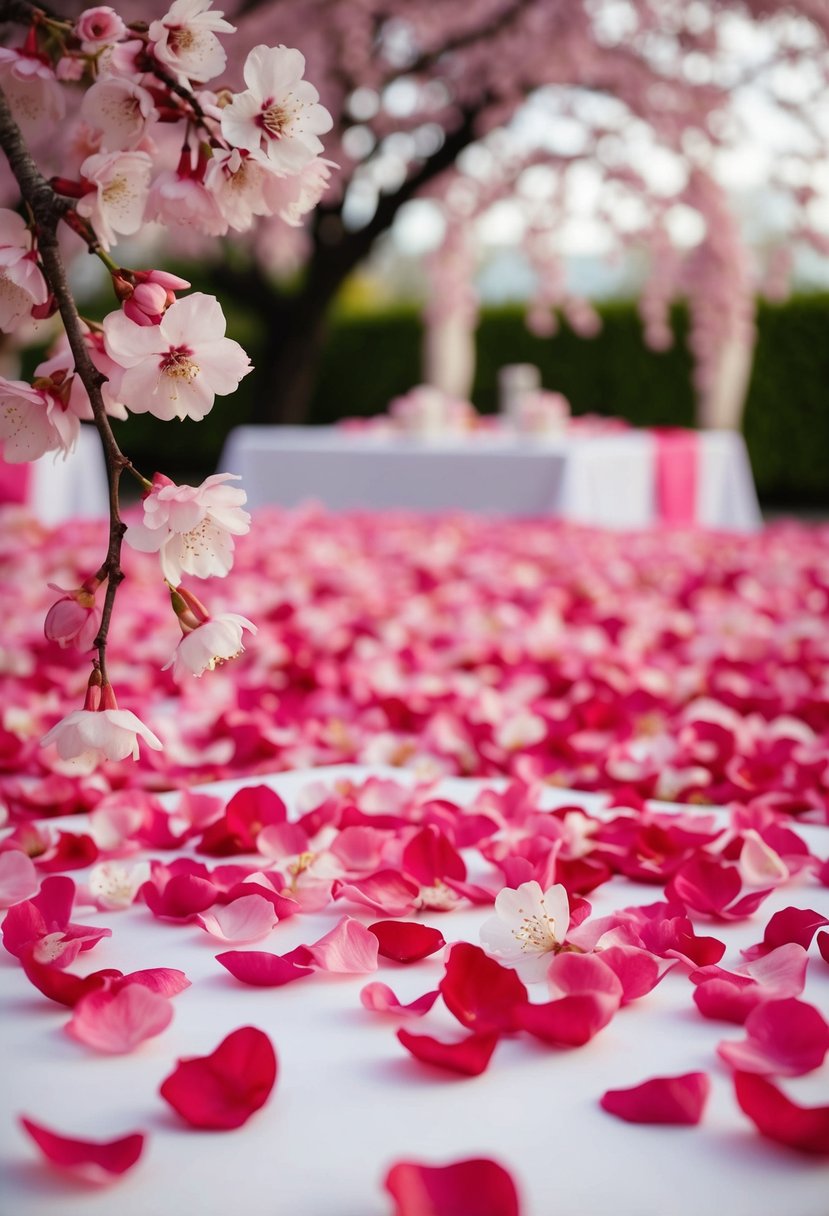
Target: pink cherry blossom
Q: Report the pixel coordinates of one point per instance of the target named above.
(179, 199)
(97, 26)
(119, 185)
(35, 98)
(176, 368)
(191, 527)
(215, 640)
(279, 116)
(120, 110)
(74, 619)
(184, 40)
(113, 884)
(240, 185)
(293, 196)
(22, 285)
(34, 421)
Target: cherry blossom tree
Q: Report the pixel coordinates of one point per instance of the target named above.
(157, 351)
(636, 111)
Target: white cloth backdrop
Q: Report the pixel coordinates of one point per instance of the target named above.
(349, 1101)
(75, 488)
(604, 480)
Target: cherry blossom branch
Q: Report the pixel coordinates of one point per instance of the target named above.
(48, 209)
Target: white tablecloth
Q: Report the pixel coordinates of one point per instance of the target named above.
(74, 488)
(349, 1102)
(604, 480)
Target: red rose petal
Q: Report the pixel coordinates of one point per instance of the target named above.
(478, 1187)
(469, 1056)
(406, 941)
(222, 1090)
(778, 1118)
(678, 1100)
(261, 969)
(93, 1160)
(789, 925)
(62, 986)
(481, 993)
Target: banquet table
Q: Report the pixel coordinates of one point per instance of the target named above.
(349, 1101)
(56, 489)
(604, 480)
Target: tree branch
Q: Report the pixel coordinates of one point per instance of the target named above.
(48, 209)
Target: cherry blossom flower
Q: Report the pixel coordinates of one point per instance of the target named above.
(213, 641)
(22, 285)
(240, 185)
(191, 527)
(292, 197)
(528, 927)
(179, 199)
(176, 368)
(279, 115)
(32, 91)
(119, 185)
(100, 731)
(121, 110)
(115, 885)
(34, 421)
(97, 26)
(185, 42)
(74, 619)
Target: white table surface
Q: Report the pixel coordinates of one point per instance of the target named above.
(349, 1101)
(603, 480)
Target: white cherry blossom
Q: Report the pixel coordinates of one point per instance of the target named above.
(185, 40)
(120, 184)
(175, 369)
(279, 115)
(121, 110)
(89, 736)
(215, 641)
(528, 928)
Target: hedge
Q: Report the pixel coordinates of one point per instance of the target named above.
(371, 358)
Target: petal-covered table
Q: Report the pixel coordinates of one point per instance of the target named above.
(605, 481)
(350, 1101)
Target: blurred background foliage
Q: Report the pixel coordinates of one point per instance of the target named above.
(371, 357)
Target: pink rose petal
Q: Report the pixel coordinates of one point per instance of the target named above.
(469, 1056)
(222, 1090)
(247, 919)
(89, 1160)
(786, 1038)
(778, 1118)
(679, 1100)
(261, 969)
(117, 1022)
(379, 998)
(62, 986)
(18, 877)
(166, 981)
(348, 949)
(387, 891)
(638, 971)
(478, 1187)
(789, 925)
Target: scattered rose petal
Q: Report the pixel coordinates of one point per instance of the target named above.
(587, 994)
(247, 919)
(406, 941)
(779, 1118)
(379, 998)
(116, 1022)
(469, 1056)
(789, 925)
(18, 877)
(730, 996)
(387, 891)
(481, 993)
(349, 949)
(261, 969)
(478, 1187)
(638, 971)
(786, 1038)
(222, 1090)
(678, 1100)
(93, 1161)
